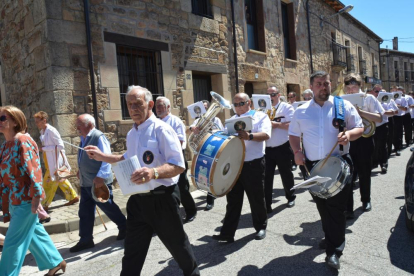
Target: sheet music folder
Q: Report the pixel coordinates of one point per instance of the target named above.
(123, 171)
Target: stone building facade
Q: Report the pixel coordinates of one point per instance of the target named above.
(178, 48)
(397, 69)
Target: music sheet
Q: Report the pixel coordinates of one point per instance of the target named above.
(123, 171)
(311, 182)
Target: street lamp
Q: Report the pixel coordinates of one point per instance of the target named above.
(345, 9)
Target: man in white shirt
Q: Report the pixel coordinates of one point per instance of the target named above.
(163, 109)
(314, 120)
(362, 149)
(398, 124)
(278, 150)
(408, 128)
(307, 95)
(159, 153)
(291, 97)
(251, 179)
(382, 133)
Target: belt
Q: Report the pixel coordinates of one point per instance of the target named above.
(257, 160)
(159, 191)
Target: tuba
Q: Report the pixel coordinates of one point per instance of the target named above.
(206, 121)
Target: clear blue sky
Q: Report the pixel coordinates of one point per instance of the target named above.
(387, 19)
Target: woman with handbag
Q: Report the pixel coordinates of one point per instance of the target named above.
(21, 191)
(56, 163)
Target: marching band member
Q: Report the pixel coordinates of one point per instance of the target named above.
(291, 97)
(251, 179)
(278, 150)
(216, 126)
(307, 95)
(314, 120)
(159, 152)
(364, 146)
(398, 123)
(408, 128)
(163, 108)
(380, 156)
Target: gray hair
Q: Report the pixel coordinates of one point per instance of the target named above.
(166, 102)
(141, 90)
(307, 91)
(87, 119)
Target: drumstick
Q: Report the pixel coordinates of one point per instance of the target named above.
(329, 154)
(101, 219)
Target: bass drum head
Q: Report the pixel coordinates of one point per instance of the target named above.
(332, 169)
(228, 167)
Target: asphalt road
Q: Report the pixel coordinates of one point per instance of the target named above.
(377, 242)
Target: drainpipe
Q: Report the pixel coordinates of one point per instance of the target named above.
(309, 36)
(379, 59)
(90, 59)
(236, 71)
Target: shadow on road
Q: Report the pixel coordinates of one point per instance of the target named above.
(401, 245)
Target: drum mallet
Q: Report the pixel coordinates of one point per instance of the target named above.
(326, 158)
(101, 218)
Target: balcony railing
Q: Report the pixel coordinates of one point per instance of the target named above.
(363, 67)
(339, 55)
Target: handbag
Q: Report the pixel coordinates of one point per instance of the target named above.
(62, 172)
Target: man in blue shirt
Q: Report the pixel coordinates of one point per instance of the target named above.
(94, 173)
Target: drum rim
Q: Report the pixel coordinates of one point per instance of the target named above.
(195, 157)
(238, 173)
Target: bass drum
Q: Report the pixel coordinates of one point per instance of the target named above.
(218, 163)
(337, 169)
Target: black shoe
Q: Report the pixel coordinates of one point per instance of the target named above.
(294, 167)
(190, 218)
(350, 215)
(291, 203)
(398, 153)
(82, 246)
(209, 207)
(223, 238)
(383, 170)
(322, 244)
(366, 206)
(260, 235)
(45, 220)
(121, 235)
(269, 209)
(333, 261)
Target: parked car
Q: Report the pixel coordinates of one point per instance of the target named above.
(409, 193)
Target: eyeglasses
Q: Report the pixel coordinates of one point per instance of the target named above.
(291, 97)
(3, 118)
(273, 94)
(352, 82)
(240, 104)
(375, 91)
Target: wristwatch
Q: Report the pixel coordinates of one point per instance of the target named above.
(251, 136)
(156, 175)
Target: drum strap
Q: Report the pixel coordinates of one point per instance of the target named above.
(339, 115)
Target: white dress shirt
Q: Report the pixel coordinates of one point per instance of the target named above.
(403, 102)
(315, 122)
(179, 127)
(371, 104)
(284, 111)
(217, 125)
(410, 101)
(261, 123)
(159, 144)
(391, 106)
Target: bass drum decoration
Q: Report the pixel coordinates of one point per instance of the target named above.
(218, 163)
(337, 169)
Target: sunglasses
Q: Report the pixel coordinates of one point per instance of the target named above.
(240, 104)
(273, 94)
(3, 118)
(352, 82)
(291, 97)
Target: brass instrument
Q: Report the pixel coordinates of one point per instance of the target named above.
(271, 113)
(206, 121)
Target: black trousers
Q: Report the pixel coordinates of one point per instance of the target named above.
(187, 199)
(332, 212)
(361, 151)
(279, 156)
(250, 180)
(160, 214)
(408, 128)
(390, 137)
(398, 132)
(380, 156)
(210, 198)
